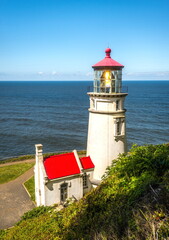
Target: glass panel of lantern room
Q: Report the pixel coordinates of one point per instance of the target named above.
(112, 82)
(105, 81)
(97, 81)
(118, 81)
(99, 73)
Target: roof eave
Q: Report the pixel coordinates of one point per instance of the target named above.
(88, 169)
(107, 67)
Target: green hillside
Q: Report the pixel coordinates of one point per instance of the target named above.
(131, 203)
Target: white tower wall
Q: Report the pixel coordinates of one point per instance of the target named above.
(106, 130)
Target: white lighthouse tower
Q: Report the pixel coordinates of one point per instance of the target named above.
(107, 123)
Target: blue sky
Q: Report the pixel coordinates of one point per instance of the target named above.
(60, 40)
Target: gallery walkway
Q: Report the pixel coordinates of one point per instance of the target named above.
(14, 200)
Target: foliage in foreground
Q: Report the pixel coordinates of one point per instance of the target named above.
(131, 203)
(8, 173)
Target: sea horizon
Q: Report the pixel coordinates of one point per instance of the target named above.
(55, 114)
(138, 80)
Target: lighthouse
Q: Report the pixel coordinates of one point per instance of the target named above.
(107, 122)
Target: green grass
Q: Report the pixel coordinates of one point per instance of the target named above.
(11, 172)
(30, 186)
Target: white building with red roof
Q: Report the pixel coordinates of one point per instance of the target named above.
(61, 177)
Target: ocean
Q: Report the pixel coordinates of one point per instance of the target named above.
(55, 114)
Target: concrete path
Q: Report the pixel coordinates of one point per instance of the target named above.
(14, 200)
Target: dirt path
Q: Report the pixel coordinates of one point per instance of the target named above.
(14, 200)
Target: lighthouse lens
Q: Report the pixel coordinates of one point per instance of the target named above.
(107, 78)
(107, 75)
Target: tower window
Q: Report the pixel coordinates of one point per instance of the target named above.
(85, 185)
(117, 105)
(118, 128)
(93, 101)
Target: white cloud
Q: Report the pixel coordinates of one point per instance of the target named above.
(40, 73)
(55, 73)
(154, 75)
(164, 73)
(79, 75)
(89, 74)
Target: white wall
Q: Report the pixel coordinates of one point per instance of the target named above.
(103, 145)
(52, 189)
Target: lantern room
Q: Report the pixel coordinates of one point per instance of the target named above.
(107, 75)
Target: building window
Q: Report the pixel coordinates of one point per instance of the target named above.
(63, 192)
(85, 185)
(118, 128)
(117, 105)
(93, 101)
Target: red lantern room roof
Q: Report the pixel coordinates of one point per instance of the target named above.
(107, 62)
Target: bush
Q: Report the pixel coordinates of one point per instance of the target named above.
(36, 212)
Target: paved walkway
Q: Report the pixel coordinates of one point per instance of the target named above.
(14, 200)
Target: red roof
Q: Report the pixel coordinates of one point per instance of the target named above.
(61, 165)
(108, 61)
(86, 162)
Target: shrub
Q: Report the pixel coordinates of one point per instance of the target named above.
(36, 212)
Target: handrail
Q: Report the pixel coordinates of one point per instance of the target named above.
(123, 89)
